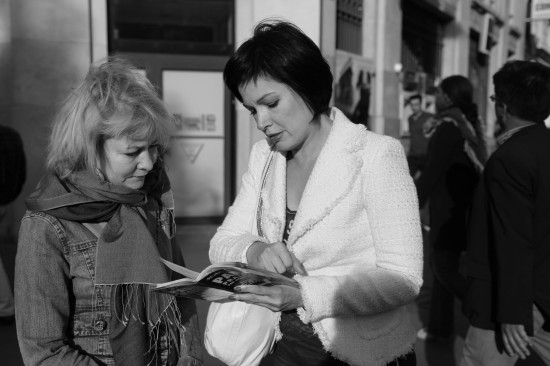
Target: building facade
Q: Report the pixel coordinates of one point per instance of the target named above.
(380, 52)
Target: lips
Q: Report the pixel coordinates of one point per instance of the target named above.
(274, 137)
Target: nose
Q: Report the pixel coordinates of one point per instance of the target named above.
(262, 120)
(147, 159)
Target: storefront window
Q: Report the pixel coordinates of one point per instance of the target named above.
(421, 49)
(171, 26)
(349, 25)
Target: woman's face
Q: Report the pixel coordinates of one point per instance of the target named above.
(127, 161)
(279, 113)
(442, 101)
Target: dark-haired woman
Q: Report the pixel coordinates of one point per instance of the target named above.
(337, 208)
(456, 155)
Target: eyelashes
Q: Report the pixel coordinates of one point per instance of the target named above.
(270, 106)
(133, 154)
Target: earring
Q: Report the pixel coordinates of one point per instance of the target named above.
(100, 174)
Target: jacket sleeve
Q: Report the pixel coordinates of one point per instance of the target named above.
(238, 231)
(441, 148)
(42, 292)
(511, 209)
(391, 203)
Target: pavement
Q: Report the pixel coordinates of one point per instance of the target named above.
(194, 241)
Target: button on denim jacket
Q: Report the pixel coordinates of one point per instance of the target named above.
(62, 319)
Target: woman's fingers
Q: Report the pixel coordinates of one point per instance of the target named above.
(275, 298)
(274, 257)
(277, 258)
(297, 266)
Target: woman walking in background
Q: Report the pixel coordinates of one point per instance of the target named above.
(456, 155)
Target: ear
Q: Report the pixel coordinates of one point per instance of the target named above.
(98, 168)
(447, 100)
(501, 110)
(100, 174)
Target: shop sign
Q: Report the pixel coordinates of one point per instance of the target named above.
(540, 9)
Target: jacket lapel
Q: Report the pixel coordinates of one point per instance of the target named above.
(332, 177)
(274, 198)
(335, 172)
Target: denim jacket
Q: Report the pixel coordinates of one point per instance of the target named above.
(62, 319)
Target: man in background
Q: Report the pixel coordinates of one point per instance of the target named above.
(12, 178)
(508, 253)
(418, 142)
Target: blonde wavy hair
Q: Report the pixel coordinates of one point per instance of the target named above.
(114, 100)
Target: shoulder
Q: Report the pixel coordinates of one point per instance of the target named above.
(8, 132)
(376, 143)
(39, 229)
(447, 127)
(40, 216)
(523, 148)
(39, 224)
(355, 137)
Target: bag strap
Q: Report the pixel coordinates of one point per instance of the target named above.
(260, 200)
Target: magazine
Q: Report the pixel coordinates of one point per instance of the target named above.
(218, 281)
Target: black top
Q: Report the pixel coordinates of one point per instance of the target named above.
(448, 181)
(290, 215)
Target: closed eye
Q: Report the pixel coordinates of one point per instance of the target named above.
(134, 153)
(251, 110)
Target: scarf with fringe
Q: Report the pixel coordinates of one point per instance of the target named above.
(474, 146)
(127, 259)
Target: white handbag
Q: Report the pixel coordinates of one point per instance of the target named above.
(237, 333)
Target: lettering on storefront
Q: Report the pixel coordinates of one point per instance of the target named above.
(201, 123)
(540, 9)
(192, 150)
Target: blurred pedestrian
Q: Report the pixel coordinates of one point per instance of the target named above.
(456, 155)
(90, 243)
(418, 147)
(338, 210)
(362, 108)
(508, 256)
(13, 174)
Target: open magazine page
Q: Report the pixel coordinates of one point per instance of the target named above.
(227, 276)
(185, 272)
(217, 282)
(190, 289)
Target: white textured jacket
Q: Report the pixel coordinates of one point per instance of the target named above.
(356, 231)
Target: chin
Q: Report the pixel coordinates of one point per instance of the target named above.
(134, 185)
(281, 146)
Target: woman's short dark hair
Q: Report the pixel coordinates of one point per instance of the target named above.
(281, 51)
(524, 87)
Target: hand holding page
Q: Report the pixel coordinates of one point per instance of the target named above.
(218, 281)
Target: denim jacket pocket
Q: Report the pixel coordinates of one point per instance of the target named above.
(90, 320)
(91, 334)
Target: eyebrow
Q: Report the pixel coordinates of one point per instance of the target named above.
(134, 145)
(261, 100)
